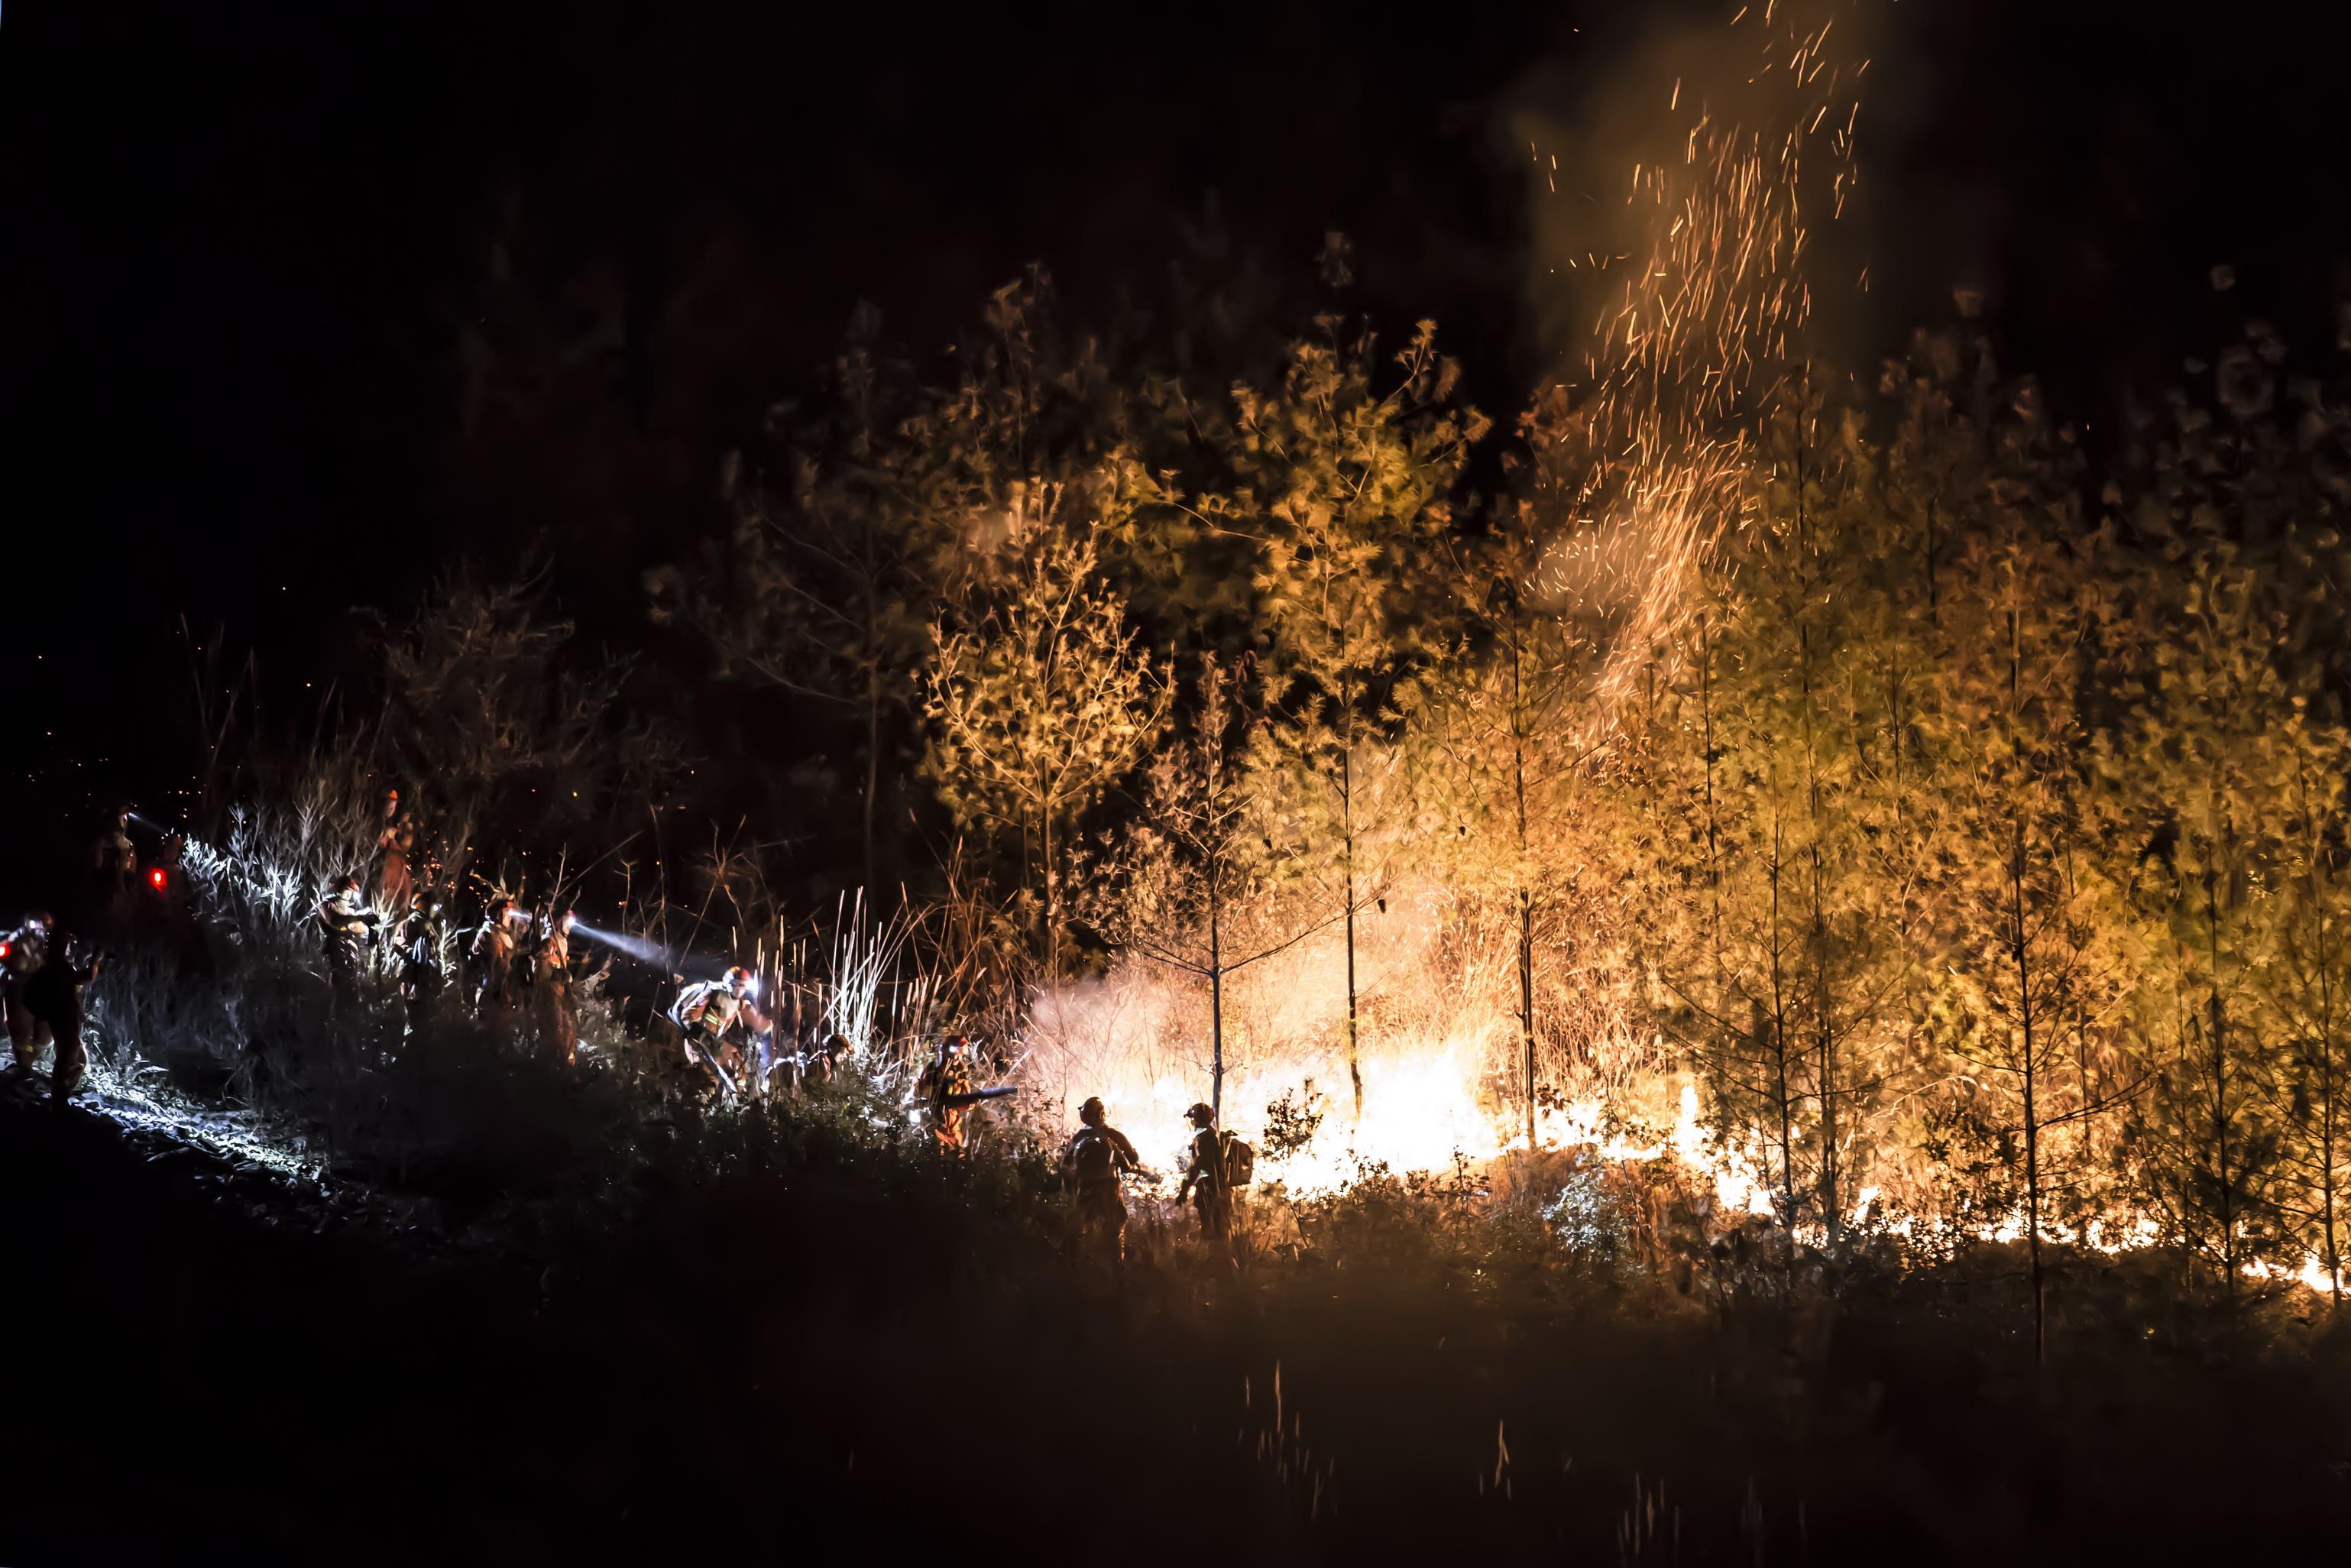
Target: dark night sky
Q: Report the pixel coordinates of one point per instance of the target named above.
(242, 243)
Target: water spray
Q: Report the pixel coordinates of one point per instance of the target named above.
(654, 956)
(636, 948)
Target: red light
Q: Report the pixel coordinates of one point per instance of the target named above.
(4, 947)
(156, 876)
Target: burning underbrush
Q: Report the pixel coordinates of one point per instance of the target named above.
(1618, 1176)
(1535, 1080)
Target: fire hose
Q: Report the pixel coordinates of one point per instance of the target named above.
(974, 1097)
(707, 1055)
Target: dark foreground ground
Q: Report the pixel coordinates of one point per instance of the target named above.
(209, 1368)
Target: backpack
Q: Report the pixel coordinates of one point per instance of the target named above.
(691, 1004)
(22, 951)
(1092, 1157)
(1241, 1160)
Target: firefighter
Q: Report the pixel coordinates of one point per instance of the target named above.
(113, 866)
(1205, 1177)
(493, 950)
(824, 1059)
(804, 1070)
(22, 952)
(1097, 1155)
(112, 856)
(53, 996)
(707, 1012)
(346, 926)
(397, 846)
(942, 1084)
(551, 987)
(419, 937)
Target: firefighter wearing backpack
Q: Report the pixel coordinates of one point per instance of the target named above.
(1097, 1155)
(1220, 1166)
(705, 1012)
(942, 1091)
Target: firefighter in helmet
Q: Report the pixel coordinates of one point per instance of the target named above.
(1097, 1155)
(707, 1013)
(944, 1089)
(558, 1030)
(824, 1059)
(22, 953)
(1205, 1176)
(494, 951)
(346, 925)
(113, 866)
(397, 845)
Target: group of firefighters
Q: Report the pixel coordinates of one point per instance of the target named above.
(1217, 1167)
(729, 1041)
(726, 1038)
(518, 966)
(521, 966)
(517, 969)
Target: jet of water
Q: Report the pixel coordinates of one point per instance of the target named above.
(636, 948)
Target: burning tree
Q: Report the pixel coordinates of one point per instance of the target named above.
(1512, 737)
(1349, 492)
(1980, 611)
(2029, 1010)
(1781, 957)
(910, 515)
(2239, 603)
(2215, 1147)
(1038, 706)
(2306, 988)
(1197, 884)
(2256, 504)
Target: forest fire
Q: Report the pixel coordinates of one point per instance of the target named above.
(898, 786)
(1640, 463)
(1648, 820)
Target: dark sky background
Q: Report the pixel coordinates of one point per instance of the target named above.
(255, 257)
